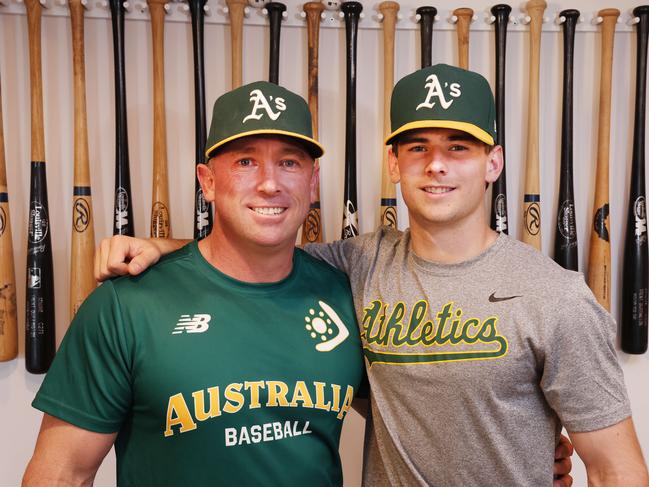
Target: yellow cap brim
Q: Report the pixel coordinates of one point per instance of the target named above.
(315, 144)
(469, 128)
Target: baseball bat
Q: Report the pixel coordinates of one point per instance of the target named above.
(123, 213)
(82, 255)
(565, 238)
(351, 11)
(499, 190)
(275, 11)
(160, 221)
(464, 17)
(532, 197)
(8, 319)
(312, 226)
(599, 258)
(40, 329)
(634, 274)
(426, 19)
(202, 209)
(236, 11)
(389, 10)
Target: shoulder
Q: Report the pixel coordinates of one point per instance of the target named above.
(313, 265)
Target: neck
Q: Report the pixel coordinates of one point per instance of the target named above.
(451, 244)
(247, 263)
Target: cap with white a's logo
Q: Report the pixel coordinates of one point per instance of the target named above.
(443, 96)
(261, 108)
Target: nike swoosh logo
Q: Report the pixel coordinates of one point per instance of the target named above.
(494, 299)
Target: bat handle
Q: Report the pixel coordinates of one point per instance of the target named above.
(426, 18)
(275, 12)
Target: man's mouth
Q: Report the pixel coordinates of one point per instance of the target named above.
(265, 210)
(438, 189)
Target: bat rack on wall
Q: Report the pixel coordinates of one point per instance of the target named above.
(217, 13)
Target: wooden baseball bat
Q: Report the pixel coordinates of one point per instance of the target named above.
(389, 9)
(532, 197)
(203, 218)
(599, 258)
(236, 11)
(464, 17)
(565, 238)
(275, 11)
(40, 328)
(634, 274)
(312, 226)
(82, 255)
(160, 220)
(8, 318)
(123, 214)
(351, 11)
(499, 221)
(426, 19)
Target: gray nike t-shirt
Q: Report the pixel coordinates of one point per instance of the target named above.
(474, 367)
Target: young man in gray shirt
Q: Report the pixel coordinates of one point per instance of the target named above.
(478, 347)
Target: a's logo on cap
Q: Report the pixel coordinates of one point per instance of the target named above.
(435, 90)
(261, 103)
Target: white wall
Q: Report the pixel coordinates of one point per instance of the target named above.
(17, 387)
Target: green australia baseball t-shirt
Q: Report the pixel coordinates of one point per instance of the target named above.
(213, 381)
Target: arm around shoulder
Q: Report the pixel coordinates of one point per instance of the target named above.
(66, 455)
(612, 456)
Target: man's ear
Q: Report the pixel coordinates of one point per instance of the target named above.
(205, 177)
(393, 165)
(315, 179)
(495, 163)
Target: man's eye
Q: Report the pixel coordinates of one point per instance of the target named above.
(244, 162)
(417, 148)
(289, 163)
(458, 147)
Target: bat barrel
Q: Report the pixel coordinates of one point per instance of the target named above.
(634, 287)
(499, 220)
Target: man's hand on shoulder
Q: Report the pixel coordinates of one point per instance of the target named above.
(563, 463)
(120, 255)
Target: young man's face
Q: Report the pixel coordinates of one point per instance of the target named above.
(261, 187)
(443, 173)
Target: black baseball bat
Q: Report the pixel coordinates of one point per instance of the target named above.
(565, 238)
(352, 11)
(202, 209)
(40, 328)
(426, 19)
(123, 214)
(499, 221)
(634, 276)
(275, 11)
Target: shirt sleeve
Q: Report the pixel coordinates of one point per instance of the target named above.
(89, 382)
(582, 379)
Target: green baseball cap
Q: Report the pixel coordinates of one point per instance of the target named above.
(447, 97)
(261, 108)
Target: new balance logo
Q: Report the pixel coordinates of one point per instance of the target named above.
(192, 324)
(261, 103)
(435, 90)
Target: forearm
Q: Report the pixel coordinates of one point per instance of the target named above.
(48, 472)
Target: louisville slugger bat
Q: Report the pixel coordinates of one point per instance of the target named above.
(40, 328)
(532, 196)
(634, 275)
(123, 214)
(565, 238)
(312, 226)
(275, 11)
(82, 255)
(499, 190)
(426, 19)
(160, 220)
(8, 318)
(351, 11)
(235, 11)
(202, 209)
(599, 258)
(464, 17)
(389, 10)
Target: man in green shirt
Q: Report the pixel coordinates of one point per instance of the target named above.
(235, 360)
